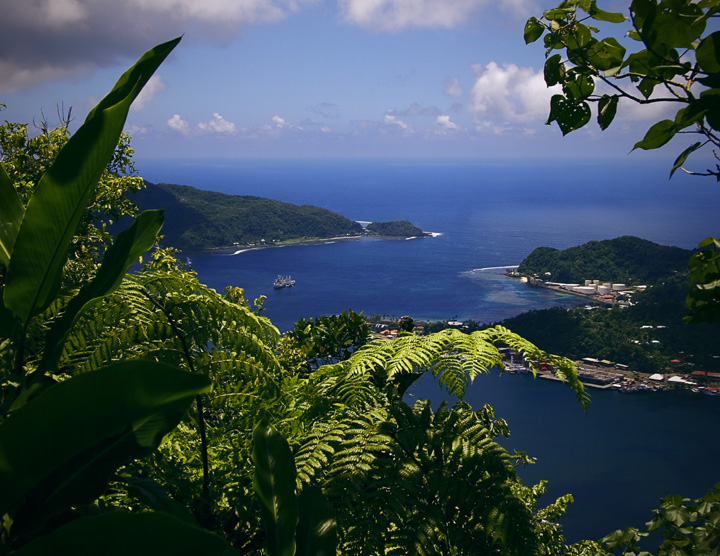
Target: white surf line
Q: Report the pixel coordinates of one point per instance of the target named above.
(494, 268)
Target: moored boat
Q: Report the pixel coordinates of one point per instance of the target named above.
(283, 282)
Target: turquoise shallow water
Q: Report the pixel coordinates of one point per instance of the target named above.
(629, 450)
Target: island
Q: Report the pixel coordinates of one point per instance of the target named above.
(397, 228)
(196, 219)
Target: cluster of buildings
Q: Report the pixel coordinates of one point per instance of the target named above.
(604, 292)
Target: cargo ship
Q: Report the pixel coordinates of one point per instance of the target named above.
(283, 282)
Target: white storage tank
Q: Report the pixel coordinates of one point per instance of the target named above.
(618, 287)
(589, 290)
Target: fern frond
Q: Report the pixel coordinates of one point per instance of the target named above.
(454, 358)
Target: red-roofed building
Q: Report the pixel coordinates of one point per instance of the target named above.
(713, 376)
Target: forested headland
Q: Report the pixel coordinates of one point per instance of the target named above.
(199, 219)
(627, 259)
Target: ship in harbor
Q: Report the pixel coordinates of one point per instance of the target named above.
(283, 282)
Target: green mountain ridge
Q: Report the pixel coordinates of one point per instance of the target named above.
(626, 259)
(198, 219)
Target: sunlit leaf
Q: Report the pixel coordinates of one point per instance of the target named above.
(11, 214)
(558, 13)
(274, 484)
(533, 30)
(600, 15)
(54, 211)
(130, 244)
(675, 25)
(607, 107)
(579, 88)
(568, 115)
(606, 54)
(680, 160)
(658, 135)
(554, 70)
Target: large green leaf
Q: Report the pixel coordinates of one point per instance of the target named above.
(658, 134)
(578, 87)
(672, 24)
(11, 215)
(129, 245)
(606, 54)
(708, 53)
(274, 484)
(607, 107)
(554, 70)
(568, 115)
(317, 528)
(63, 442)
(680, 160)
(533, 30)
(124, 533)
(61, 196)
(155, 497)
(600, 15)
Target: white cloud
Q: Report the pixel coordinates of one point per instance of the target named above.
(509, 95)
(154, 86)
(453, 88)
(237, 11)
(393, 15)
(445, 123)
(134, 130)
(63, 12)
(278, 121)
(178, 124)
(390, 119)
(217, 125)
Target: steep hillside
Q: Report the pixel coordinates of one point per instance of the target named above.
(197, 219)
(625, 259)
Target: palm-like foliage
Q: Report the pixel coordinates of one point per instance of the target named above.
(400, 479)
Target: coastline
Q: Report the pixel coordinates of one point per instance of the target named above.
(242, 248)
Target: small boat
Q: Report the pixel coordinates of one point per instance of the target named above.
(283, 282)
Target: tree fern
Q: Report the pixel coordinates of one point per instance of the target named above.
(454, 358)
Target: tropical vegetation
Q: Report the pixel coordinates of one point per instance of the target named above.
(146, 413)
(397, 228)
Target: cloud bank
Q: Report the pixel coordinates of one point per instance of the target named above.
(394, 15)
(42, 40)
(509, 96)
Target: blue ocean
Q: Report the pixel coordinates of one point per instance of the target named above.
(617, 460)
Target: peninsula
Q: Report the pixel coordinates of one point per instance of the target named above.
(198, 219)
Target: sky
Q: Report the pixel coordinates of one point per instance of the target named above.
(306, 78)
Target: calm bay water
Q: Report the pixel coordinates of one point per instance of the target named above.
(628, 451)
